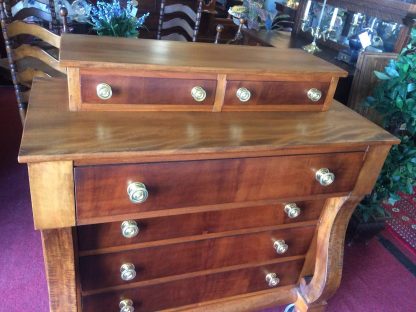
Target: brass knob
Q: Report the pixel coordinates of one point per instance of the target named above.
(272, 280)
(129, 228)
(104, 91)
(280, 246)
(314, 95)
(243, 94)
(127, 271)
(137, 192)
(292, 210)
(126, 305)
(325, 177)
(198, 93)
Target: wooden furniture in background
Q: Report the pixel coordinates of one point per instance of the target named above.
(179, 21)
(167, 75)
(230, 216)
(365, 80)
(34, 56)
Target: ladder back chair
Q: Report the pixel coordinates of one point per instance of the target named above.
(178, 21)
(28, 58)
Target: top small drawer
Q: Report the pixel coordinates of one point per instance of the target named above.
(123, 189)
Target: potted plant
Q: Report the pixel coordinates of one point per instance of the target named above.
(394, 102)
(110, 19)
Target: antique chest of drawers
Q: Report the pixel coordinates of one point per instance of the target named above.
(155, 75)
(194, 211)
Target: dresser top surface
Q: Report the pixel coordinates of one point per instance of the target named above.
(147, 54)
(51, 132)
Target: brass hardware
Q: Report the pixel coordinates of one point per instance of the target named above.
(272, 280)
(292, 210)
(280, 246)
(243, 94)
(104, 91)
(126, 305)
(198, 93)
(129, 228)
(127, 271)
(314, 95)
(325, 177)
(137, 192)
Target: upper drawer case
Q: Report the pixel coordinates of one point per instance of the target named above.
(102, 190)
(106, 73)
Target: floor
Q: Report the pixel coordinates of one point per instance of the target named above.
(373, 279)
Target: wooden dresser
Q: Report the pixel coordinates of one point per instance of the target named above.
(194, 211)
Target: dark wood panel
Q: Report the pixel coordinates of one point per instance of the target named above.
(102, 271)
(146, 90)
(275, 92)
(197, 289)
(109, 234)
(101, 190)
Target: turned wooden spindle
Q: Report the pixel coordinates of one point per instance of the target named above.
(219, 29)
(63, 12)
(198, 20)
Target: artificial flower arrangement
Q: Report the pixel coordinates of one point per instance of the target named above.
(110, 19)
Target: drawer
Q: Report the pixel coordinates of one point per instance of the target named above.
(195, 289)
(96, 236)
(132, 88)
(103, 270)
(101, 190)
(276, 92)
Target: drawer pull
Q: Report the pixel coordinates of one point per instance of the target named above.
(243, 94)
(325, 177)
(292, 210)
(280, 246)
(126, 305)
(272, 280)
(104, 91)
(314, 95)
(127, 272)
(137, 192)
(198, 93)
(129, 228)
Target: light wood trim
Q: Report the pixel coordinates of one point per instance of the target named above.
(26, 50)
(146, 107)
(243, 303)
(331, 92)
(52, 193)
(19, 28)
(58, 253)
(313, 77)
(74, 89)
(220, 93)
(273, 108)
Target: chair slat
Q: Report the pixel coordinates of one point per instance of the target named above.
(32, 12)
(21, 28)
(181, 23)
(26, 77)
(26, 50)
(175, 8)
(174, 37)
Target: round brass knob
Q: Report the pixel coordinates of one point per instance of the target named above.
(198, 93)
(129, 228)
(127, 271)
(314, 95)
(280, 246)
(325, 177)
(272, 280)
(243, 94)
(126, 305)
(137, 192)
(104, 91)
(292, 210)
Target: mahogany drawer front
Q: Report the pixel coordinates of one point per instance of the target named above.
(195, 289)
(103, 270)
(96, 236)
(131, 89)
(101, 190)
(275, 92)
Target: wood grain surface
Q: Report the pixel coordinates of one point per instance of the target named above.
(104, 52)
(54, 133)
(198, 289)
(101, 271)
(104, 235)
(101, 190)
